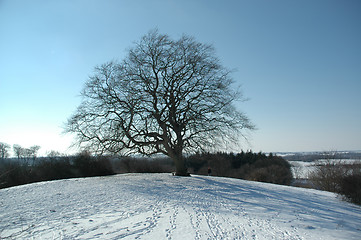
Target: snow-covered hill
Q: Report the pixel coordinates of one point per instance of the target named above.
(161, 206)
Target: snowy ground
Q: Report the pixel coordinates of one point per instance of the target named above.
(302, 170)
(161, 206)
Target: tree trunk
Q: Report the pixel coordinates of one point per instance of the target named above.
(180, 166)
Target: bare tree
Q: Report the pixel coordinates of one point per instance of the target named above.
(26, 153)
(54, 154)
(32, 152)
(18, 151)
(4, 150)
(167, 96)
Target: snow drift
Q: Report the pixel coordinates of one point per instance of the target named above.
(161, 206)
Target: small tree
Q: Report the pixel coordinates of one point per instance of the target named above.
(167, 96)
(33, 152)
(54, 154)
(26, 153)
(4, 150)
(18, 151)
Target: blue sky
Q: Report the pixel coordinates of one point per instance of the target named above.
(299, 63)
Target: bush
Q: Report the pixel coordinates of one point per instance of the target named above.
(142, 165)
(327, 175)
(273, 170)
(88, 166)
(271, 174)
(249, 166)
(14, 173)
(350, 188)
(53, 169)
(336, 176)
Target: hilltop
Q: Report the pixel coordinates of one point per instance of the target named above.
(161, 206)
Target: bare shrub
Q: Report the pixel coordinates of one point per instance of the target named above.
(143, 165)
(327, 175)
(53, 169)
(89, 166)
(275, 170)
(249, 166)
(350, 188)
(340, 177)
(14, 173)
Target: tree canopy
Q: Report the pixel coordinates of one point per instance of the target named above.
(166, 96)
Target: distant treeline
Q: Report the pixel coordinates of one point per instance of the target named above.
(17, 172)
(313, 156)
(244, 165)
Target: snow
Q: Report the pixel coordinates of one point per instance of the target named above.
(302, 170)
(161, 206)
